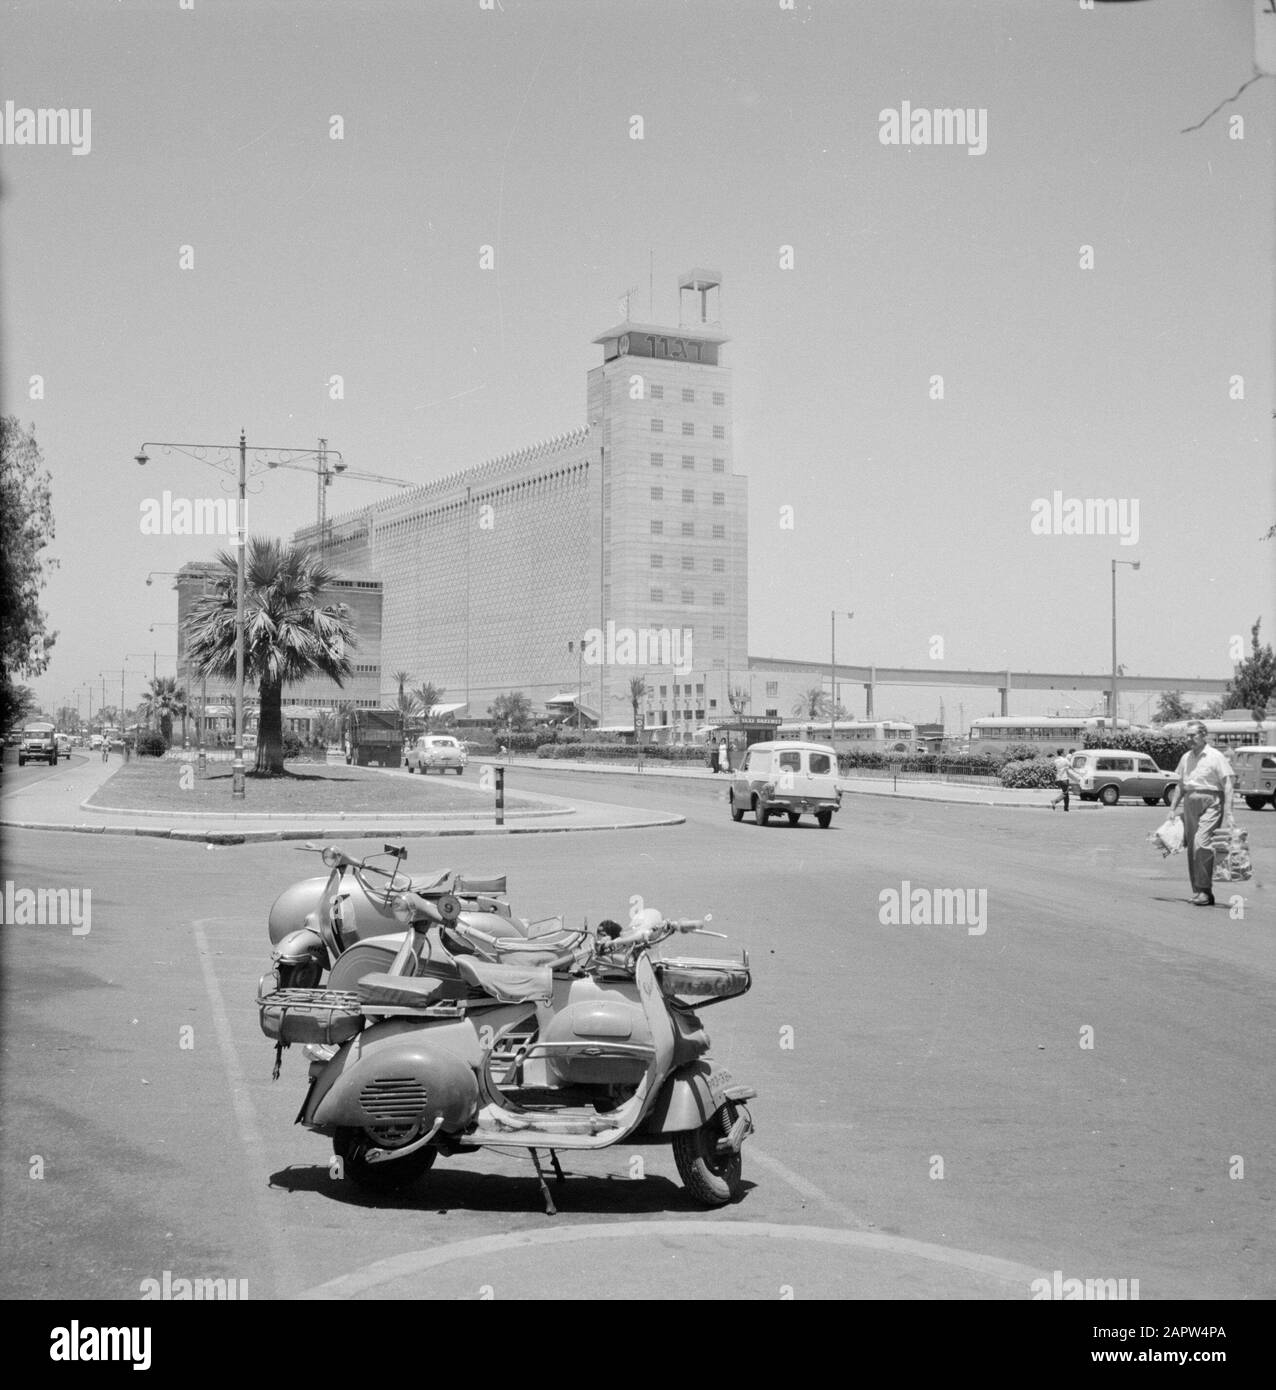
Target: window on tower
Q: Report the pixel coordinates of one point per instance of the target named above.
(719, 533)
(657, 494)
(688, 394)
(719, 431)
(688, 494)
(688, 528)
(657, 528)
(657, 460)
(657, 427)
(657, 393)
(688, 427)
(719, 398)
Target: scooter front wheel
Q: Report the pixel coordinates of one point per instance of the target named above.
(714, 1179)
(351, 1147)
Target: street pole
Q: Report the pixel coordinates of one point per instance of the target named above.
(832, 674)
(1134, 564)
(237, 767)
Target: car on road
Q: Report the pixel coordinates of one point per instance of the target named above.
(1108, 774)
(435, 752)
(65, 744)
(39, 742)
(786, 777)
(1255, 770)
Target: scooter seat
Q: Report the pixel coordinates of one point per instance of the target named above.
(398, 991)
(510, 984)
(469, 885)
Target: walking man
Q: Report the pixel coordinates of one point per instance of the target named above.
(1061, 780)
(1203, 797)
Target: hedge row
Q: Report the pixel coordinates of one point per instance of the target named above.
(1165, 749)
(969, 764)
(1029, 772)
(626, 752)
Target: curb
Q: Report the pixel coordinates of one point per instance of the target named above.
(369, 818)
(241, 837)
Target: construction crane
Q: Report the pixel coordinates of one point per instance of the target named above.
(325, 471)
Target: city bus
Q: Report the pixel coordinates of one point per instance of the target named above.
(1228, 733)
(882, 735)
(1040, 732)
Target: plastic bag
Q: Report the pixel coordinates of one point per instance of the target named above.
(1168, 837)
(1232, 863)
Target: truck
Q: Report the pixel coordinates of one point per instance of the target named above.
(373, 737)
(38, 741)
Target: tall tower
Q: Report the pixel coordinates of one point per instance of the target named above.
(672, 511)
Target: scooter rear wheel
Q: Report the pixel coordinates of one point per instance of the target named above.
(713, 1179)
(352, 1145)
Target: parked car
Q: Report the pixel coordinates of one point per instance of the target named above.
(786, 777)
(436, 752)
(1108, 774)
(39, 741)
(1255, 770)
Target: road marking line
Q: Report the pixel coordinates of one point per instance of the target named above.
(245, 1116)
(806, 1189)
(399, 1267)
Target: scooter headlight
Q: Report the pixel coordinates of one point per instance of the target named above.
(331, 857)
(404, 908)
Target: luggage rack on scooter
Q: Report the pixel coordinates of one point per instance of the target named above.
(334, 1015)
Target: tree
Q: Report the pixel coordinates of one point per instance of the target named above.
(67, 719)
(20, 704)
(289, 634)
(1211, 711)
(326, 728)
(425, 697)
(813, 703)
(638, 690)
(738, 698)
(26, 528)
(1253, 683)
(1171, 707)
(404, 702)
(514, 710)
(164, 700)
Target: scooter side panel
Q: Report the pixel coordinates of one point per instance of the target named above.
(397, 1071)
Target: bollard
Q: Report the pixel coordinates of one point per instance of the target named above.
(500, 794)
(203, 764)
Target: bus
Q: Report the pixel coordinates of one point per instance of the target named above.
(1037, 731)
(883, 735)
(1228, 733)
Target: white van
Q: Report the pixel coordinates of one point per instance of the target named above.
(786, 777)
(1255, 770)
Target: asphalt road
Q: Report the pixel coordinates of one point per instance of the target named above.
(884, 1055)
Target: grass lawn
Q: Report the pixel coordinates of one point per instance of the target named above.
(156, 784)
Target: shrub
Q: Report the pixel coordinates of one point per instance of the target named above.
(151, 744)
(1164, 749)
(1028, 772)
(293, 744)
(626, 752)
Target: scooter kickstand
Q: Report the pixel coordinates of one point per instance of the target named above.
(550, 1208)
(559, 1175)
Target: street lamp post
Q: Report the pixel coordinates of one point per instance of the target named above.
(833, 672)
(1134, 564)
(263, 457)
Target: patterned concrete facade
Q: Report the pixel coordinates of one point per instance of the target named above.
(627, 535)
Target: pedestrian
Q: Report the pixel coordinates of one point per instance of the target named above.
(723, 762)
(106, 748)
(1061, 780)
(1203, 798)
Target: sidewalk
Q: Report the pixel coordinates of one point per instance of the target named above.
(55, 803)
(902, 789)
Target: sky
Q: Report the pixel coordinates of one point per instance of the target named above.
(855, 273)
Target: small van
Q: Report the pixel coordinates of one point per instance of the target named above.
(1108, 774)
(1255, 770)
(38, 741)
(786, 778)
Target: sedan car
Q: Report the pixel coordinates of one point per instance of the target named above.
(436, 752)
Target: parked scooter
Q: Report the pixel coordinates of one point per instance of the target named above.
(365, 937)
(567, 1041)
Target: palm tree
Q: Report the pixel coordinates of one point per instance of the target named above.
(404, 702)
(638, 689)
(425, 697)
(812, 704)
(164, 700)
(288, 633)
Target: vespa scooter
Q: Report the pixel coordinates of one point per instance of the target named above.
(558, 1044)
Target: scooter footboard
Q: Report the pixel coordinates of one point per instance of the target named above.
(398, 1074)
